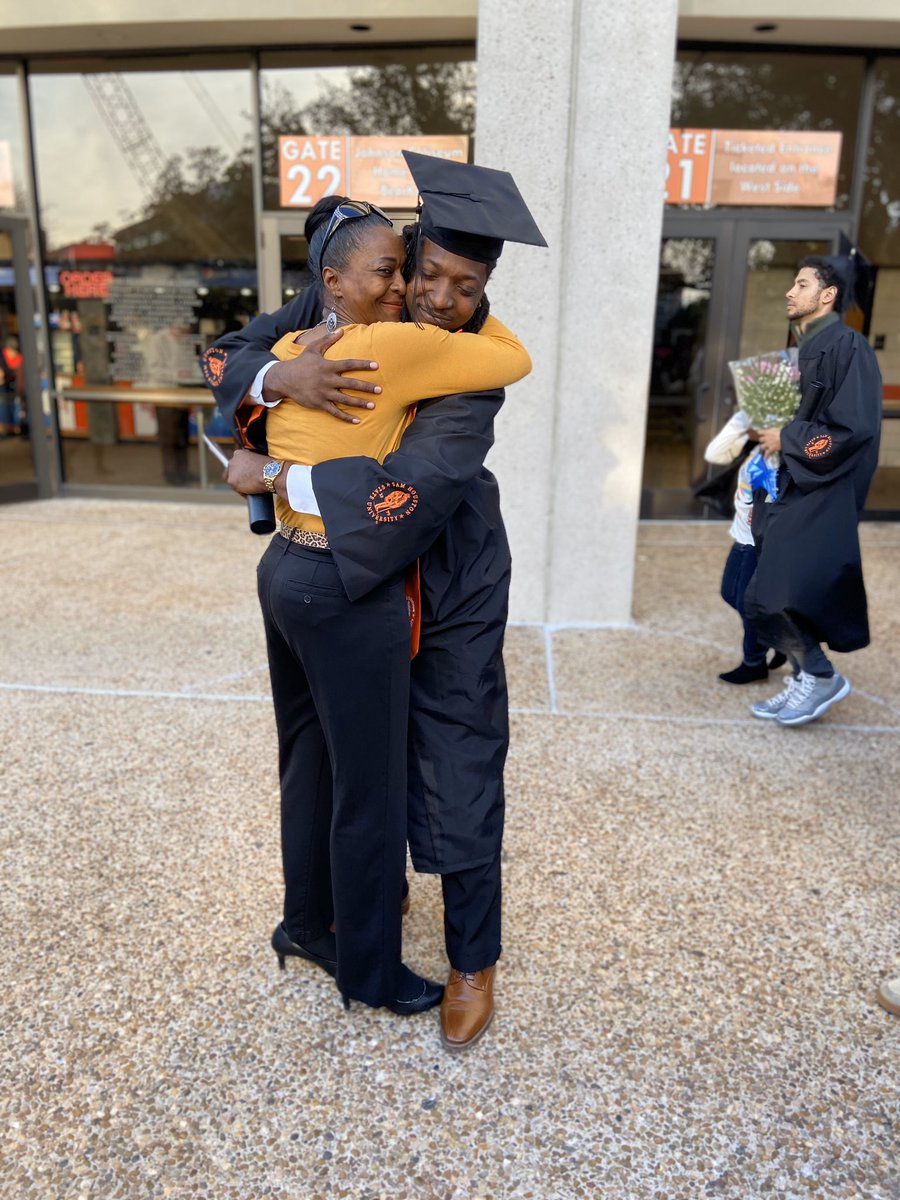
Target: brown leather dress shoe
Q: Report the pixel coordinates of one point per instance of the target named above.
(467, 1007)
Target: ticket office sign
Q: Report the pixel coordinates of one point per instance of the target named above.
(751, 167)
(366, 168)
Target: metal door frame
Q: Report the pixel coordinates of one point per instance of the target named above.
(733, 231)
(273, 226)
(748, 228)
(45, 482)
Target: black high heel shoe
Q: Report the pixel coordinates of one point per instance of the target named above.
(285, 948)
(426, 994)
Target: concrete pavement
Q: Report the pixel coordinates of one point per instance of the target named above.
(698, 905)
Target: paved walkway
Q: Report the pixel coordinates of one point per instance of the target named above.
(699, 906)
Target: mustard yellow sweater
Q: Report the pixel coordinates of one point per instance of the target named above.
(414, 363)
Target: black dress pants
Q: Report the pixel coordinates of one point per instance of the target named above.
(340, 685)
(459, 728)
(472, 900)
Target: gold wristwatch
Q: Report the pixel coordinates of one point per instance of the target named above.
(270, 473)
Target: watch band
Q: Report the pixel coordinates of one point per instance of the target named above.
(270, 473)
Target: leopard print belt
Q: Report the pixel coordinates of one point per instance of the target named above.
(304, 537)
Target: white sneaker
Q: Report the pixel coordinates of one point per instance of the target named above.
(811, 696)
(769, 709)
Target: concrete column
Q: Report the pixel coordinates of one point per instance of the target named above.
(573, 99)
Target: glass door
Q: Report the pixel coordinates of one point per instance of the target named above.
(680, 371)
(721, 294)
(27, 465)
(688, 354)
(284, 254)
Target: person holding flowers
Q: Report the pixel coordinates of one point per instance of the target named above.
(767, 393)
(808, 585)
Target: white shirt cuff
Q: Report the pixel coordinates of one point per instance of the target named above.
(301, 496)
(256, 387)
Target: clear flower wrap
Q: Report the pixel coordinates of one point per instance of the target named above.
(767, 387)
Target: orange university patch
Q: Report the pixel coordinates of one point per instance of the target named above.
(818, 447)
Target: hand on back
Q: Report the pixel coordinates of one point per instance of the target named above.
(313, 381)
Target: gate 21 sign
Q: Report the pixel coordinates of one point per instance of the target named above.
(762, 167)
(687, 166)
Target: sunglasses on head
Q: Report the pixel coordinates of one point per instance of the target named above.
(348, 211)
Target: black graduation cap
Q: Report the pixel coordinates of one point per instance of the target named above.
(470, 211)
(855, 271)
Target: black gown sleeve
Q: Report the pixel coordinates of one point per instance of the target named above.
(232, 363)
(844, 425)
(380, 517)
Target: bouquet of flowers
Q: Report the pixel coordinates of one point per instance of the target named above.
(768, 388)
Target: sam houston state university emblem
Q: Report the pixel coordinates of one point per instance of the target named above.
(214, 366)
(392, 502)
(818, 447)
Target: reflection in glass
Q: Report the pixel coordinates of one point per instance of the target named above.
(16, 458)
(16, 437)
(414, 92)
(151, 157)
(724, 90)
(880, 229)
(685, 287)
(295, 275)
(146, 184)
(879, 240)
(13, 190)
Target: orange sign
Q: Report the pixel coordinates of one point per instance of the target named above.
(739, 166)
(799, 169)
(687, 166)
(366, 168)
(86, 285)
(310, 168)
(378, 172)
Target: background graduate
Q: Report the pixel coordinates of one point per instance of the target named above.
(808, 587)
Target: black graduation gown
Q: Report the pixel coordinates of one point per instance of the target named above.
(459, 731)
(229, 380)
(809, 561)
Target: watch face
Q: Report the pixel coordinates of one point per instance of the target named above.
(272, 470)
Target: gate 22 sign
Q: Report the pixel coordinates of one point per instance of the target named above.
(311, 168)
(366, 168)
